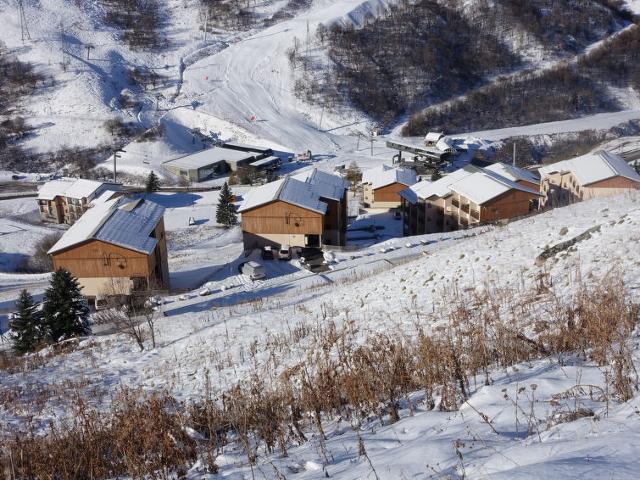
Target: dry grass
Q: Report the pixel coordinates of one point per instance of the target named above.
(343, 376)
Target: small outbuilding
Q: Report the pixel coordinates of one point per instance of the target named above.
(382, 185)
(206, 164)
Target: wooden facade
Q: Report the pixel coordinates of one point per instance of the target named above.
(456, 212)
(98, 265)
(559, 189)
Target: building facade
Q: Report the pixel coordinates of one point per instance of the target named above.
(593, 175)
(116, 248)
(307, 211)
(65, 200)
(382, 185)
(465, 198)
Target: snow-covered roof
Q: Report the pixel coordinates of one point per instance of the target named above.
(514, 174)
(289, 190)
(104, 196)
(477, 184)
(433, 136)
(593, 167)
(122, 221)
(385, 175)
(445, 144)
(485, 185)
(72, 188)
(208, 157)
(439, 188)
(325, 184)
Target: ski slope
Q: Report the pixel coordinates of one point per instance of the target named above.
(253, 78)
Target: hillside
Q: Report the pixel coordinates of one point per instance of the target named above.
(145, 81)
(540, 399)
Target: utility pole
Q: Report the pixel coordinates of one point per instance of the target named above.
(63, 45)
(88, 47)
(24, 30)
(514, 154)
(321, 115)
(115, 157)
(206, 23)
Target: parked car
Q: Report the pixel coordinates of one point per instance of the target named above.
(267, 252)
(284, 253)
(253, 270)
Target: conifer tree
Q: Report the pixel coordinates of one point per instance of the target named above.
(226, 211)
(26, 325)
(153, 183)
(65, 311)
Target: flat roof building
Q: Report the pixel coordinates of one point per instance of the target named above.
(209, 163)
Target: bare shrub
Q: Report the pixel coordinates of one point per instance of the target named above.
(40, 261)
(141, 437)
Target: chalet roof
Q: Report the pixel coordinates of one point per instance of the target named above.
(77, 188)
(385, 175)
(433, 136)
(324, 183)
(208, 157)
(122, 221)
(593, 167)
(512, 173)
(485, 185)
(289, 190)
(477, 184)
(439, 188)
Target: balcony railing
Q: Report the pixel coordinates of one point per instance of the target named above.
(465, 208)
(455, 203)
(475, 214)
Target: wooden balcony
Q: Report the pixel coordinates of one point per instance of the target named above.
(475, 214)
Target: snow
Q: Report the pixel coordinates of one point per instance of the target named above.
(385, 175)
(326, 185)
(482, 186)
(121, 221)
(288, 190)
(209, 157)
(512, 173)
(77, 188)
(593, 167)
(193, 337)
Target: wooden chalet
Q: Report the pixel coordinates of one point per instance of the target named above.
(382, 185)
(593, 175)
(117, 248)
(465, 198)
(309, 210)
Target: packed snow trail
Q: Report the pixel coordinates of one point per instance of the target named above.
(253, 79)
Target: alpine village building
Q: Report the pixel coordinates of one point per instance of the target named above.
(117, 247)
(66, 199)
(382, 185)
(593, 175)
(306, 210)
(469, 197)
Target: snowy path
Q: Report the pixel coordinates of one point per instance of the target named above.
(253, 78)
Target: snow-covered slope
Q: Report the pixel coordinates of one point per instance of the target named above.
(391, 297)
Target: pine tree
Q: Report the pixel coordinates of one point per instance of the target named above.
(226, 211)
(153, 183)
(26, 325)
(65, 311)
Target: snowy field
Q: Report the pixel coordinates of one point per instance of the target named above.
(370, 290)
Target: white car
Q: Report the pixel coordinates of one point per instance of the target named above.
(284, 253)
